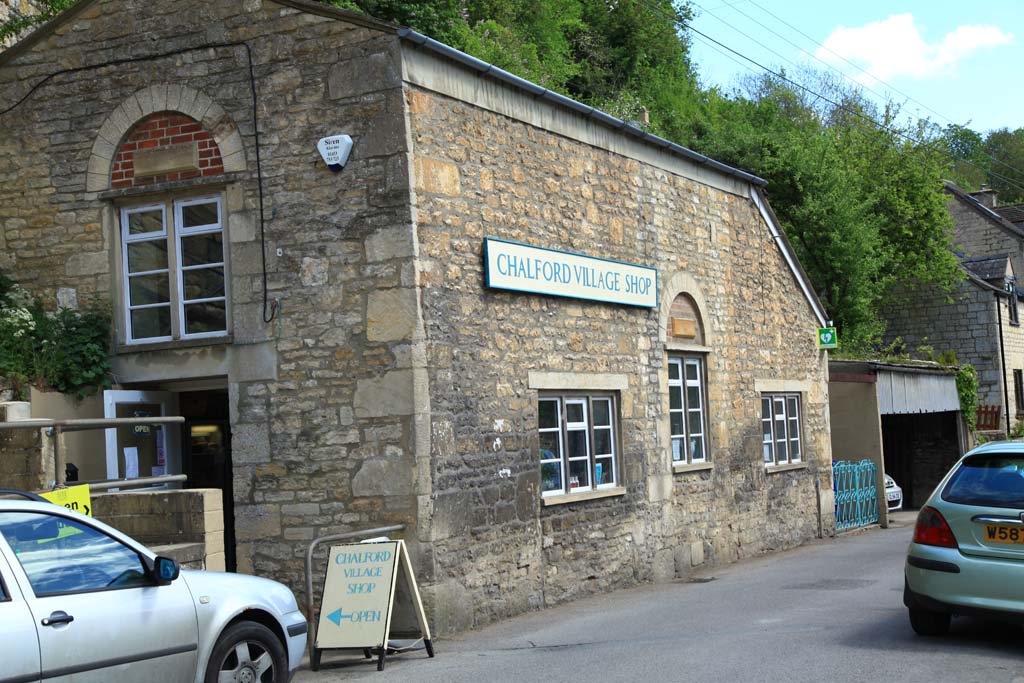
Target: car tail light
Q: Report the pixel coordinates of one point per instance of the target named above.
(932, 529)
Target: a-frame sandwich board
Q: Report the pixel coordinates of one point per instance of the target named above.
(365, 604)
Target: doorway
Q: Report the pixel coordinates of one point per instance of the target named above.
(134, 451)
(206, 454)
(919, 450)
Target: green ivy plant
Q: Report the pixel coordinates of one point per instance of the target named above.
(65, 350)
(967, 388)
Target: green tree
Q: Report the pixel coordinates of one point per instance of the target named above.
(856, 189)
(1004, 150)
(969, 159)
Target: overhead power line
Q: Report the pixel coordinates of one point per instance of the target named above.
(781, 76)
(855, 66)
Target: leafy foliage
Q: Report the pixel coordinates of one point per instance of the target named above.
(65, 351)
(995, 159)
(967, 389)
(861, 202)
(18, 24)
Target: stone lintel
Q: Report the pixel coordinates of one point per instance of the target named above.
(577, 380)
(161, 160)
(763, 386)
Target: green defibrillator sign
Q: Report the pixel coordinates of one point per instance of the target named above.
(827, 338)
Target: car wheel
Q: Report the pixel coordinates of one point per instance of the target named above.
(247, 652)
(926, 623)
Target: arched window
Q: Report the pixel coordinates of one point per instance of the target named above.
(687, 384)
(172, 245)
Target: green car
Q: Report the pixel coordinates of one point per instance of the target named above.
(967, 556)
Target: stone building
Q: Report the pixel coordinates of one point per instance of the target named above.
(980, 322)
(567, 354)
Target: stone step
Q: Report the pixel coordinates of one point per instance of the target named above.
(188, 555)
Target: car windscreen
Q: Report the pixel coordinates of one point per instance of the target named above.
(988, 479)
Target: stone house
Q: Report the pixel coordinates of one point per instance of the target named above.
(980, 321)
(567, 354)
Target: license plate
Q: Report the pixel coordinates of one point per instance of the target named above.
(894, 496)
(999, 533)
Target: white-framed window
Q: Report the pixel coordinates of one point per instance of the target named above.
(578, 443)
(780, 428)
(172, 262)
(687, 410)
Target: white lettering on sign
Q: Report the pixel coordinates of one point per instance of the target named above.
(524, 268)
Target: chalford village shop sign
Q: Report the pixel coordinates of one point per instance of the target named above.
(524, 268)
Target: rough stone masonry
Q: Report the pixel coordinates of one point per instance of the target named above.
(393, 385)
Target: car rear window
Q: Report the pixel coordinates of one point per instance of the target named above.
(988, 479)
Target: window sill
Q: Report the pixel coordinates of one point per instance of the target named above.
(772, 469)
(588, 495)
(124, 349)
(203, 182)
(678, 467)
(686, 346)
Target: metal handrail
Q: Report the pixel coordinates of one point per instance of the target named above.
(74, 424)
(139, 482)
(309, 569)
(54, 429)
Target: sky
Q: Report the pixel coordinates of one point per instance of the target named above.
(952, 62)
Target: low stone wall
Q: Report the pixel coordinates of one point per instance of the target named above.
(164, 518)
(26, 455)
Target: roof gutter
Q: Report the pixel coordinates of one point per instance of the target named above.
(485, 69)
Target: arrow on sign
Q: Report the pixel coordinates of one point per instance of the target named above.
(336, 616)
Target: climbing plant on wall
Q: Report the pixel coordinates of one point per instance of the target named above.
(65, 350)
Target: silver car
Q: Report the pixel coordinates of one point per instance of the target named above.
(893, 494)
(82, 602)
(967, 556)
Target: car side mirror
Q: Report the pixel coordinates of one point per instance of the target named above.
(165, 570)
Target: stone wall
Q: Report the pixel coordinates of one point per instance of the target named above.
(26, 455)
(176, 518)
(496, 550)
(966, 325)
(321, 410)
(391, 386)
(1013, 346)
(978, 235)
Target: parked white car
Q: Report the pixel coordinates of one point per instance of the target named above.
(893, 494)
(81, 601)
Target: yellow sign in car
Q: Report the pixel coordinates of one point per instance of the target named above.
(75, 498)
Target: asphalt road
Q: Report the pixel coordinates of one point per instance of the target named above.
(829, 611)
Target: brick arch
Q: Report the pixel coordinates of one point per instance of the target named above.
(157, 99)
(683, 283)
(163, 131)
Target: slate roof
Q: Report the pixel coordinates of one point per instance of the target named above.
(988, 267)
(972, 202)
(1011, 212)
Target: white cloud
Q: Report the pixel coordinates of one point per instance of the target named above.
(894, 47)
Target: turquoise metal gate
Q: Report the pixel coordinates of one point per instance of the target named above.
(856, 493)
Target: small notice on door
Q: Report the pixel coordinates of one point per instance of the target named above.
(131, 462)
